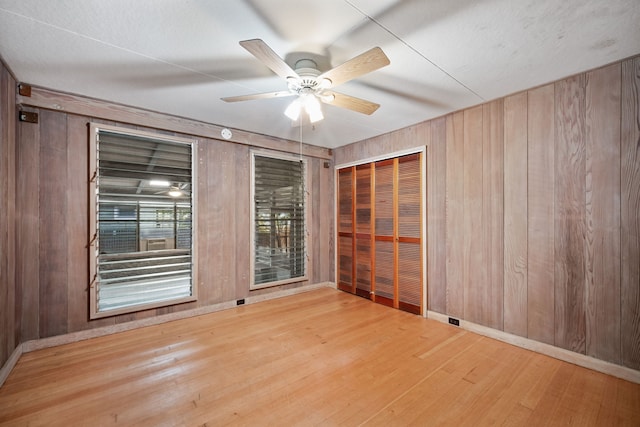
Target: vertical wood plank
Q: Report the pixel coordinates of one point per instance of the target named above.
(326, 237)
(6, 310)
(515, 214)
(313, 238)
(243, 213)
(206, 217)
(570, 172)
(540, 280)
(53, 224)
(28, 233)
(493, 213)
(77, 215)
(216, 247)
(629, 214)
(455, 213)
(474, 268)
(436, 217)
(9, 310)
(11, 136)
(602, 133)
(227, 286)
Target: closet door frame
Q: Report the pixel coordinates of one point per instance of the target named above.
(423, 208)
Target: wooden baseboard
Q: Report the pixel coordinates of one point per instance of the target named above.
(38, 344)
(10, 363)
(546, 349)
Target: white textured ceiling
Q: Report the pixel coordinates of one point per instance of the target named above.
(181, 56)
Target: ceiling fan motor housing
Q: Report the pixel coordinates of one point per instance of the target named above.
(308, 82)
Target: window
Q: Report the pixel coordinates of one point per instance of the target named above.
(278, 218)
(141, 204)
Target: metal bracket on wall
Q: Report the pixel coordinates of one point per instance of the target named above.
(27, 116)
(24, 90)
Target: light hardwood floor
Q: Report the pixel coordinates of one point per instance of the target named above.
(319, 358)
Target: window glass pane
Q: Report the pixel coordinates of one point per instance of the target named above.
(144, 226)
(279, 214)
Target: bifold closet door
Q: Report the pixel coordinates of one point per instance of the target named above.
(398, 250)
(384, 259)
(363, 230)
(346, 241)
(379, 232)
(408, 237)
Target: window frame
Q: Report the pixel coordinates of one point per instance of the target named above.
(305, 177)
(94, 130)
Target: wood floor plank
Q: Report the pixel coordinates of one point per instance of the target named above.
(322, 357)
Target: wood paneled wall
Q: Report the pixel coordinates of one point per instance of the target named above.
(9, 338)
(52, 231)
(534, 211)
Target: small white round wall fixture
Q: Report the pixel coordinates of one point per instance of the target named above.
(226, 133)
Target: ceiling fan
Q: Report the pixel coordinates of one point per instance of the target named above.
(310, 85)
(175, 189)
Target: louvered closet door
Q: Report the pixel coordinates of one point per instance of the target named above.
(363, 230)
(409, 233)
(379, 232)
(345, 230)
(384, 213)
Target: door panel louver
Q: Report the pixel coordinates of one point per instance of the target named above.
(384, 269)
(363, 199)
(384, 198)
(363, 269)
(409, 197)
(345, 259)
(345, 202)
(409, 273)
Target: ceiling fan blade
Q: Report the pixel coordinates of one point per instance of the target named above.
(280, 94)
(351, 103)
(364, 63)
(268, 57)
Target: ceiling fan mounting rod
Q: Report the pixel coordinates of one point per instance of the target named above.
(306, 63)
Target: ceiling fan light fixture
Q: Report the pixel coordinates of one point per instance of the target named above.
(293, 110)
(327, 97)
(175, 192)
(159, 183)
(315, 115)
(325, 83)
(312, 107)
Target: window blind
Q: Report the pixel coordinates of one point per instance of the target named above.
(144, 220)
(279, 219)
